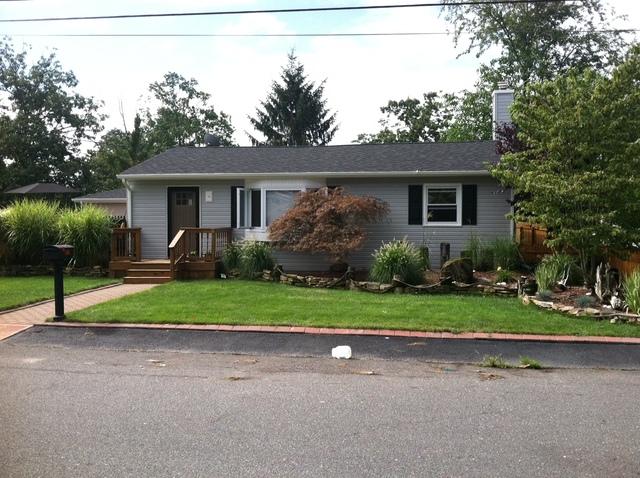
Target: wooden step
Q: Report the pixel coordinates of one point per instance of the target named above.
(150, 265)
(149, 273)
(147, 280)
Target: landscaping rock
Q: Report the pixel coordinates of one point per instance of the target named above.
(458, 270)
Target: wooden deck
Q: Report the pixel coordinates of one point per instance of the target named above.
(195, 253)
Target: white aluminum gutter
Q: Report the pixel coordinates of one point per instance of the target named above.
(101, 200)
(319, 174)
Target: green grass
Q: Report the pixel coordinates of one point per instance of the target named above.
(494, 361)
(17, 291)
(528, 362)
(261, 303)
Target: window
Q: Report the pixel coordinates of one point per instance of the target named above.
(184, 198)
(258, 208)
(443, 203)
(278, 202)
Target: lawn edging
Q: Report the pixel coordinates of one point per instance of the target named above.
(361, 332)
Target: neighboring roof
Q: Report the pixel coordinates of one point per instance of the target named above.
(113, 196)
(360, 159)
(42, 188)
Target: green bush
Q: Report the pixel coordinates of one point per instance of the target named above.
(4, 247)
(424, 257)
(585, 301)
(631, 289)
(88, 230)
(552, 269)
(29, 227)
(255, 257)
(505, 254)
(397, 258)
(231, 256)
(504, 276)
(480, 254)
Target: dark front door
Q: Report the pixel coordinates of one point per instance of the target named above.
(183, 209)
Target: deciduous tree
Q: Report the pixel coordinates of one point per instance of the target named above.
(579, 174)
(327, 220)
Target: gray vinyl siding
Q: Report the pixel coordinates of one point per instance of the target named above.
(149, 211)
(493, 206)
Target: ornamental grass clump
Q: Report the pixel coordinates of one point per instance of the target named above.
(550, 270)
(231, 256)
(88, 230)
(255, 257)
(632, 291)
(505, 254)
(400, 258)
(29, 227)
(480, 254)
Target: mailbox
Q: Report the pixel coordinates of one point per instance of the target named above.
(58, 255)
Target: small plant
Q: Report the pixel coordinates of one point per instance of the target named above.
(494, 361)
(548, 273)
(631, 289)
(400, 258)
(504, 276)
(528, 362)
(585, 301)
(505, 254)
(255, 257)
(545, 294)
(88, 230)
(480, 254)
(424, 257)
(231, 256)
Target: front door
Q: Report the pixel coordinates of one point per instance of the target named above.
(183, 210)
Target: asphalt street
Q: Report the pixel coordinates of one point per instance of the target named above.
(368, 347)
(93, 410)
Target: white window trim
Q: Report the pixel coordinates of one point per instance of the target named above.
(425, 191)
(263, 206)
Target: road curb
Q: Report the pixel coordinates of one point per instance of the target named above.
(363, 332)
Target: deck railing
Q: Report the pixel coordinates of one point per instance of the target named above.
(194, 244)
(126, 244)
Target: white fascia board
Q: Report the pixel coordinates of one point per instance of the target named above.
(327, 174)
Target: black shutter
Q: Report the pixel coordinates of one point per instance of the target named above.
(469, 204)
(415, 204)
(234, 206)
(256, 208)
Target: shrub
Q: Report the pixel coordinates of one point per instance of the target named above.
(585, 301)
(88, 230)
(254, 258)
(563, 263)
(504, 276)
(30, 226)
(231, 256)
(505, 254)
(545, 294)
(480, 255)
(632, 291)
(425, 261)
(397, 258)
(4, 247)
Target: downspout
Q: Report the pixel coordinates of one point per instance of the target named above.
(128, 188)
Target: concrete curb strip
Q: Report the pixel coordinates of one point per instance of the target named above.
(368, 332)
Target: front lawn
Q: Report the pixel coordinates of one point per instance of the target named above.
(17, 291)
(261, 303)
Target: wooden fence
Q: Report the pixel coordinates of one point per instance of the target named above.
(531, 239)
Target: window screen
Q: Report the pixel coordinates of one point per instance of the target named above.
(442, 204)
(278, 202)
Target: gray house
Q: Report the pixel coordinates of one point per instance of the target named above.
(437, 192)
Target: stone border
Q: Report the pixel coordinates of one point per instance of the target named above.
(613, 316)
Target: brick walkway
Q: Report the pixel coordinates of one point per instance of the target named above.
(39, 313)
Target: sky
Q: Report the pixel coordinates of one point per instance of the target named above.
(362, 73)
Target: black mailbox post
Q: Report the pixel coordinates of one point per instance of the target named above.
(58, 255)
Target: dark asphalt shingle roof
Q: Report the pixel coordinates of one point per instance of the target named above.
(42, 188)
(113, 194)
(375, 158)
